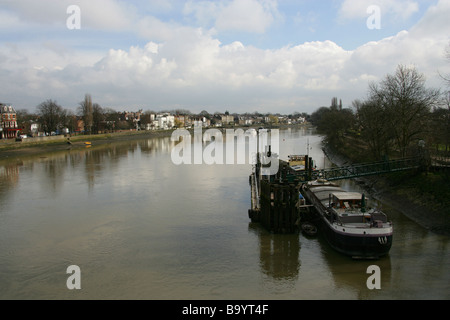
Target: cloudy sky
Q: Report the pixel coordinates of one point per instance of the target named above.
(236, 55)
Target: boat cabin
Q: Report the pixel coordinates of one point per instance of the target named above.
(297, 163)
(346, 200)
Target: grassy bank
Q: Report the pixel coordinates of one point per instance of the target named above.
(423, 196)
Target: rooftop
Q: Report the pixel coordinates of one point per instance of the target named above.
(345, 196)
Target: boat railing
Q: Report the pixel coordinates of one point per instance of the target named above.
(371, 220)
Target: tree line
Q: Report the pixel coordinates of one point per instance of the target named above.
(399, 115)
(52, 117)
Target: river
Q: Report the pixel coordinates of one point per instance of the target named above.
(140, 227)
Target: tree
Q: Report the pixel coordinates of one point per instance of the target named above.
(205, 114)
(446, 77)
(85, 110)
(440, 126)
(112, 119)
(50, 114)
(97, 117)
(69, 120)
(146, 118)
(24, 120)
(372, 124)
(317, 115)
(273, 119)
(406, 103)
(333, 122)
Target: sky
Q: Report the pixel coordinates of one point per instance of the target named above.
(277, 56)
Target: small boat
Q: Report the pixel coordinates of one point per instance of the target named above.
(88, 143)
(347, 224)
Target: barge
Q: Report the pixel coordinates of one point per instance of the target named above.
(346, 222)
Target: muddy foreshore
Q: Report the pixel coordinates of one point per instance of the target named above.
(429, 216)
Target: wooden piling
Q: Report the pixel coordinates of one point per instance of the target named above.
(278, 206)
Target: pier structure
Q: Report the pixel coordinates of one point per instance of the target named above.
(276, 198)
(276, 201)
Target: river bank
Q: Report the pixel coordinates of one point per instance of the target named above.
(32, 146)
(10, 149)
(403, 192)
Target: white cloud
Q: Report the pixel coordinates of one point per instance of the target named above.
(204, 12)
(247, 15)
(188, 67)
(253, 16)
(435, 22)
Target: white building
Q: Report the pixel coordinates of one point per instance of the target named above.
(165, 121)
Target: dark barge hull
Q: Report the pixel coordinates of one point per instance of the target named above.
(358, 246)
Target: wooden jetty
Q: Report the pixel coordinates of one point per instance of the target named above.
(276, 201)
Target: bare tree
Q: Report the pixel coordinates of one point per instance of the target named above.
(406, 103)
(372, 124)
(69, 120)
(50, 114)
(85, 110)
(112, 118)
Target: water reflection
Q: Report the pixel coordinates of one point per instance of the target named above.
(9, 179)
(279, 254)
(52, 167)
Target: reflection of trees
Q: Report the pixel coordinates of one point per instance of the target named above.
(156, 145)
(54, 168)
(107, 158)
(9, 178)
(96, 161)
(279, 254)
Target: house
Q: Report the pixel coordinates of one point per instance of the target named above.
(79, 126)
(227, 119)
(34, 128)
(165, 121)
(180, 121)
(8, 122)
(245, 121)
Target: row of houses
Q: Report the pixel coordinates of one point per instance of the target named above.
(140, 120)
(164, 121)
(168, 121)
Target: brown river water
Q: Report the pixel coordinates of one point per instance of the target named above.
(140, 227)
